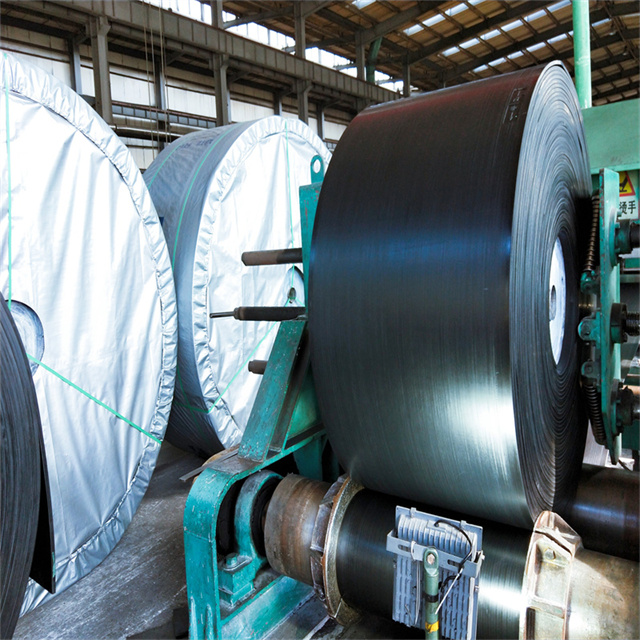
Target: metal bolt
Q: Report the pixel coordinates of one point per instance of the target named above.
(549, 554)
(231, 560)
(431, 558)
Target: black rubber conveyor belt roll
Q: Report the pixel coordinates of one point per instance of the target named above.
(19, 471)
(443, 296)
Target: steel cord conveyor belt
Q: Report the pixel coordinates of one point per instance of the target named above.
(443, 296)
(19, 471)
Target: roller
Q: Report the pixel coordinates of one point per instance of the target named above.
(223, 193)
(86, 268)
(600, 598)
(444, 296)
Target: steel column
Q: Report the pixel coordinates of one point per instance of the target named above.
(75, 65)
(216, 14)
(223, 101)
(302, 91)
(360, 57)
(320, 119)
(99, 27)
(582, 51)
(406, 78)
(300, 32)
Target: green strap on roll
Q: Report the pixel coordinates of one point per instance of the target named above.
(91, 397)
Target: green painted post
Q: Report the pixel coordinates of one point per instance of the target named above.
(431, 578)
(582, 51)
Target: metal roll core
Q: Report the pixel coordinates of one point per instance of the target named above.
(444, 296)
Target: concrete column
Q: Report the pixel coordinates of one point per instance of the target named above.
(300, 32)
(223, 99)
(360, 57)
(302, 91)
(320, 118)
(99, 27)
(74, 64)
(406, 79)
(216, 14)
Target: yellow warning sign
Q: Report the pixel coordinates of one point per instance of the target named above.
(626, 186)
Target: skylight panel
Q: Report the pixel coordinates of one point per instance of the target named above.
(482, 67)
(456, 9)
(559, 5)
(450, 51)
(429, 22)
(490, 34)
(562, 36)
(535, 47)
(495, 63)
(597, 24)
(515, 54)
(411, 30)
(534, 16)
(511, 25)
(361, 4)
(469, 43)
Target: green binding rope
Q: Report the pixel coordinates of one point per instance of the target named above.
(98, 402)
(195, 175)
(235, 375)
(6, 98)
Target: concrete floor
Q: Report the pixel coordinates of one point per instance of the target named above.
(139, 591)
(141, 582)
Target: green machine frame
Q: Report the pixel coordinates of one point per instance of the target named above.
(227, 595)
(234, 594)
(613, 140)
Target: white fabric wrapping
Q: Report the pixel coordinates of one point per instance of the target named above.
(222, 192)
(87, 255)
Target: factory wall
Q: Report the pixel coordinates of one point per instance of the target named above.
(132, 84)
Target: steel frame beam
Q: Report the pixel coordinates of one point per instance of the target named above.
(633, 85)
(185, 36)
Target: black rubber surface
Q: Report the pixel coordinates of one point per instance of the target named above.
(365, 568)
(19, 471)
(430, 298)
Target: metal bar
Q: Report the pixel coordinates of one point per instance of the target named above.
(275, 256)
(258, 367)
(262, 314)
(582, 51)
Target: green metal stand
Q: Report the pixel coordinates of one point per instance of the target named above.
(225, 597)
(603, 370)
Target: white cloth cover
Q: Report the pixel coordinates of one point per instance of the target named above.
(83, 251)
(219, 193)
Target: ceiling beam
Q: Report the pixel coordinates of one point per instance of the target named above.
(621, 75)
(471, 32)
(261, 16)
(630, 86)
(398, 20)
(539, 37)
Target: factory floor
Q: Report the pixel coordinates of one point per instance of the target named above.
(136, 590)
